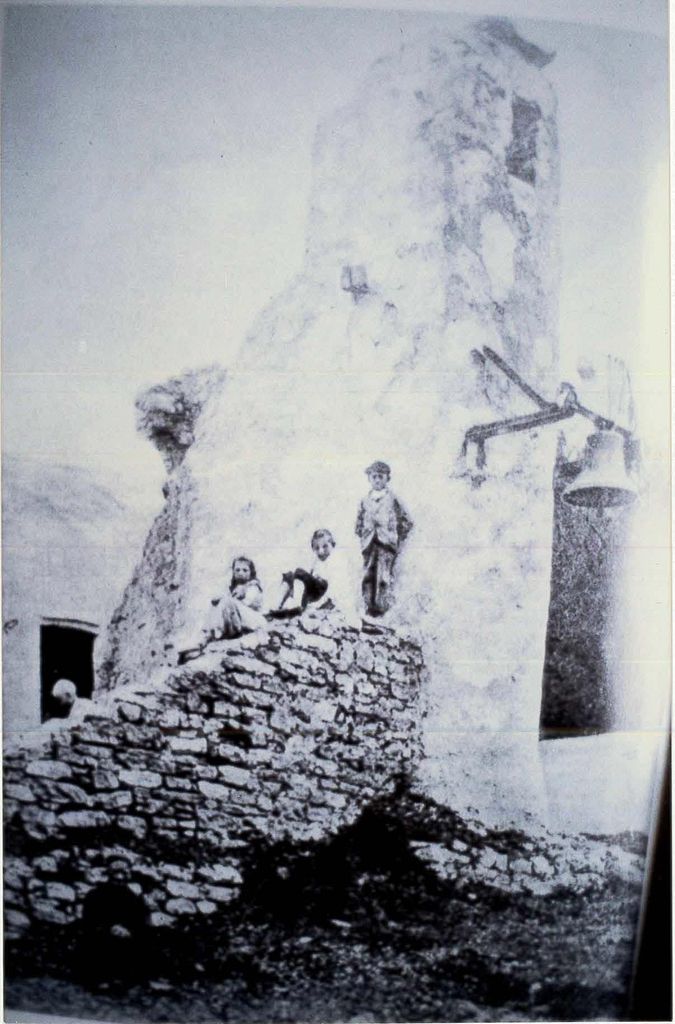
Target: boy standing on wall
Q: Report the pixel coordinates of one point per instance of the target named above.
(382, 525)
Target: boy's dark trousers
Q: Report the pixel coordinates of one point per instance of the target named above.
(378, 566)
(314, 589)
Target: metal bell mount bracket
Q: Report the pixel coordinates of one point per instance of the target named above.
(598, 493)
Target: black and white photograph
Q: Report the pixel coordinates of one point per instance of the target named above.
(336, 544)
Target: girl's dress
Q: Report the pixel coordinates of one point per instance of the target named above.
(239, 611)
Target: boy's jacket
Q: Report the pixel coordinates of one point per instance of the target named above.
(382, 517)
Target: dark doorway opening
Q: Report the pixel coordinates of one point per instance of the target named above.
(66, 652)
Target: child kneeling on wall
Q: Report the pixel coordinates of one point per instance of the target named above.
(322, 587)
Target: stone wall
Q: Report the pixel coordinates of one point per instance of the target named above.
(283, 739)
(536, 865)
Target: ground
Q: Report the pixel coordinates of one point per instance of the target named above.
(358, 929)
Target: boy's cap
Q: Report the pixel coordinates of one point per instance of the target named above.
(379, 467)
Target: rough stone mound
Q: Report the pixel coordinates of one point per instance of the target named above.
(287, 738)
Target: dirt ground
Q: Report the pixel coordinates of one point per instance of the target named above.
(356, 930)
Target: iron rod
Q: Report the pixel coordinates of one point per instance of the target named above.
(517, 379)
(528, 422)
(600, 421)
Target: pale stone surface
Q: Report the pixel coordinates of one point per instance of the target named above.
(48, 770)
(458, 138)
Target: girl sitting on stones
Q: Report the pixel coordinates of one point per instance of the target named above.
(238, 611)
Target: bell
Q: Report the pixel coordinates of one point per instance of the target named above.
(603, 482)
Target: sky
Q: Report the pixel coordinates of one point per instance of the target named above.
(155, 180)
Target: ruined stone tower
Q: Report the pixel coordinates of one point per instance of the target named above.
(431, 232)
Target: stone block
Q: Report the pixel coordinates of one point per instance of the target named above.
(221, 873)
(214, 791)
(24, 794)
(182, 785)
(541, 866)
(501, 862)
(130, 712)
(240, 778)
(206, 906)
(250, 665)
(263, 802)
(345, 684)
(103, 779)
(537, 886)
(364, 656)
(180, 906)
(12, 881)
(345, 656)
(334, 800)
(37, 822)
(186, 889)
(16, 921)
(114, 801)
(184, 800)
(46, 865)
(49, 770)
(130, 823)
(312, 832)
(313, 641)
(170, 719)
(160, 920)
(195, 704)
(140, 778)
(188, 744)
(84, 819)
(253, 758)
(244, 681)
(224, 708)
(65, 792)
(242, 798)
(401, 691)
(176, 871)
(47, 911)
(220, 894)
(95, 876)
(59, 891)
(150, 800)
(325, 710)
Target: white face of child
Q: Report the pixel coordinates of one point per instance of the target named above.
(378, 480)
(322, 548)
(241, 571)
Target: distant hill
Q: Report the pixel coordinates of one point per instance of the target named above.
(60, 506)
